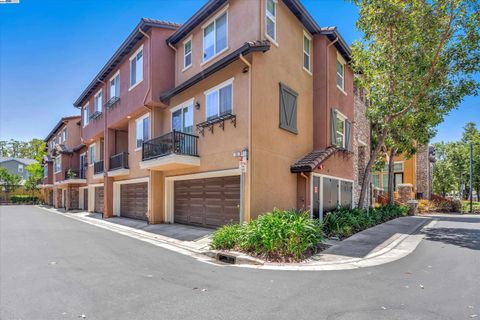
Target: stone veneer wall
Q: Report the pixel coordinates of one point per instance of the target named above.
(361, 136)
(423, 172)
(73, 197)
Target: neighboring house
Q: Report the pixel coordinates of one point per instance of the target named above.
(16, 166)
(169, 116)
(64, 165)
(416, 170)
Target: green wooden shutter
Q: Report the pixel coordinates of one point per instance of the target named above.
(288, 108)
(348, 130)
(333, 126)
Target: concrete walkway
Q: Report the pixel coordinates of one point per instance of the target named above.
(381, 244)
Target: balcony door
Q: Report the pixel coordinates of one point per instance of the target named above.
(182, 118)
(83, 164)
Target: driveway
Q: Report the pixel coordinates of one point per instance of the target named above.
(53, 267)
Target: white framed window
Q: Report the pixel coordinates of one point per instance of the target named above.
(115, 86)
(98, 101)
(182, 117)
(340, 73)
(20, 168)
(215, 36)
(86, 114)
(58, 164)
(340, 129)
(219, 100)
(64, 134)
(142, 130)
(271, 19)
(136, 68)
(397, 166)
(307, 48)
(45, 170)
(92, 156)
(187, 53)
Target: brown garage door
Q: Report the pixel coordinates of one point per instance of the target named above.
(134, 200)
(98, 199)
(209, 202)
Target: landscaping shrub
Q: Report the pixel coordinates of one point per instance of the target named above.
(346, 221)
(24, 199)
(466, 207)
(278, 235)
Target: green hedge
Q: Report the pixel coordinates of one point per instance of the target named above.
(278, 235)
(346, 221)
(22, 198)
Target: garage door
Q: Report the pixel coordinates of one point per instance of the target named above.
(209, 202)
(98, 199)
(134, 200)
(85, 199)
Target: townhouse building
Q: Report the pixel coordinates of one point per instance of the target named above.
(247, 106)
(64, 165)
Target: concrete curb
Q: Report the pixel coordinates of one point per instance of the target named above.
(396, 248)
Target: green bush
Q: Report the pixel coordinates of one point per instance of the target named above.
(277, 235)
(23, 198)
(347, 221)
(226, 237)
(475, 207)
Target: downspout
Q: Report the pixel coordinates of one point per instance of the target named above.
(328, 87)
(105, 133)
(307, 194)
(174, 49)
(242, 194)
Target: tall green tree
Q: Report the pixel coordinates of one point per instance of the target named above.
(444, 180)
(418, 58)
(9, 182)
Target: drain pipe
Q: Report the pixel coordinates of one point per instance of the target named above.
(175, 50)
(149, 68)
(249, 152)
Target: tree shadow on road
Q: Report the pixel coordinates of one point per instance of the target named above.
(461, 237)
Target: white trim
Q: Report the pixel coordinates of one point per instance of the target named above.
(169, 184)
(80, 197)
(219, 86)
(114, 75)
(118, 172)
(99, 92)
(55, 164)
(191, 53)
(321, 176)
(188, 103)
(170, 162)
(133, 56)
(84, 108)
(136, 84)
(182, 105)
(91, 195)
(309, 70)
(117, 194)
(272, 39)
(91, 163)
(343, 63)
(110, 84)
(212, 20)
(361, 142)
(141, 118)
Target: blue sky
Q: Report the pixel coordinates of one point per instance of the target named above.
(50, 51)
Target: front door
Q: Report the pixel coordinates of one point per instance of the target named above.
(316, 212)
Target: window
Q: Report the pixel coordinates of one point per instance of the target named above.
(45, 170)
(98, 101)
(115, 86)
(384, 182)
(340, 127)
(288, 109)
(92, 150)
(142, 130)
(215, 37)
(397, 179)
(20, 168)
(64, 135)
(219, 100)
(340, 74)
(86, 115)
(182, 118)
(271, 19)
(187, 54)
(398, 167)
(306, 51)
(136, 68)
(376, 181)
(58, 164)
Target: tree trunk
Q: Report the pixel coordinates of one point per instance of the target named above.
(368, 168)
(391, 185)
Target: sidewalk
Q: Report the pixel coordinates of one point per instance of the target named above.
(381, 244)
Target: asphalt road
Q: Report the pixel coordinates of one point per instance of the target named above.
(53, 267)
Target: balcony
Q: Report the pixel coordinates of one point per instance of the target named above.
(174, 150)
(73, 176)
(98, 169)
(112, 102)
(119, 165)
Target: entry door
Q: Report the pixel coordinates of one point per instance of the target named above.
(316, 211)
(82, 166)
(64, 196)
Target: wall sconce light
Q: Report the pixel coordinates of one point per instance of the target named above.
(197, 105)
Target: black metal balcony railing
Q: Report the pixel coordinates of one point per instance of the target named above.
(119, 161)
(111, 102)
(98, 167)
(95, 115)
(173, 142)
(74, 174)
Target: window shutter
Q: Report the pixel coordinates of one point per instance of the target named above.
(288, 109)
(333, 126)
(348, 130)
